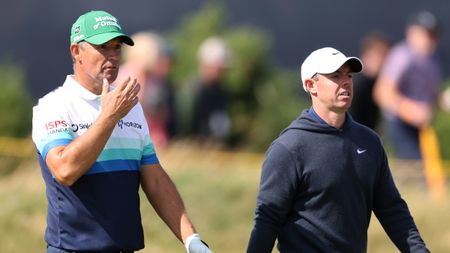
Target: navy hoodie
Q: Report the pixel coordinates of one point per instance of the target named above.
(319, 186)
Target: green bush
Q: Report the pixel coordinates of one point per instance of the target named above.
(264, 99)
(280, 101)
(186, 39)
(441, 125)
(15, 102)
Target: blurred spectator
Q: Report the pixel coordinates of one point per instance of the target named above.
(408, 86)
(444, 100)
(211, 119)
(150, 61)
(373, 51)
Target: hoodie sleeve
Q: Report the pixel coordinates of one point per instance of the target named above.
(393, 214)
(278, 187)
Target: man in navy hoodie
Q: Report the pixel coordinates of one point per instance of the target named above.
(325, 174)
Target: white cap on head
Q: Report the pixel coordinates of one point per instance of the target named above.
(325, 61)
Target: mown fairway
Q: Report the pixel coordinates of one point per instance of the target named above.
(219, 190)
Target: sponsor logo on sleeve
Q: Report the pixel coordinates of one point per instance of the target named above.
(56, 126)
(80, 126)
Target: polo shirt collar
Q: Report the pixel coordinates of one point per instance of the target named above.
(77, 89)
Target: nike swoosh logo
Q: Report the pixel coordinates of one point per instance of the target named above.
(335, 53)
(360, 151)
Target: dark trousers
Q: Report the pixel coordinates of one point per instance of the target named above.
(51, 249)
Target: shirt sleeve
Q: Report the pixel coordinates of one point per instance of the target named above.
(149, 153)
(278, 186)
(396, 64)
(394, 215)
(51, 128)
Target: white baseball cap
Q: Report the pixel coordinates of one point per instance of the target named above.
(325, 61)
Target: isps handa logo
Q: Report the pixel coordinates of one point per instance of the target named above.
(57, 126)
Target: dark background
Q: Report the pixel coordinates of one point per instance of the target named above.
(35, 34)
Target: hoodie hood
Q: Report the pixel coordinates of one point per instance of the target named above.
(307, 122)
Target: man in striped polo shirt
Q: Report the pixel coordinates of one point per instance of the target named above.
(95, 151)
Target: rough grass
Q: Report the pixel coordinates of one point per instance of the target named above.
(219, 199)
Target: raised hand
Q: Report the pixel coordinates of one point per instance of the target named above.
(118, 102)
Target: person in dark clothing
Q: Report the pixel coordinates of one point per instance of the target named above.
(374, 49)
(325, 174)
(210, 110)
(211, 118)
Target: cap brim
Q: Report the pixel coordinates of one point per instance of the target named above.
(355, 64)
(105, 37)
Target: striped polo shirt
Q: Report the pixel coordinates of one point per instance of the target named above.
(100, 211)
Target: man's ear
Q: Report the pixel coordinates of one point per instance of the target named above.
(75, 52)
(310, 86)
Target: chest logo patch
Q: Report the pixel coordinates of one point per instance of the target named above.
(360, 151)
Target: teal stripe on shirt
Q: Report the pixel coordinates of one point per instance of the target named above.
(131, 143)
(120, 153)
(123, 142)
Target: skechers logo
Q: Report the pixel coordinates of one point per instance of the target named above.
(80, 126)
(360, 151)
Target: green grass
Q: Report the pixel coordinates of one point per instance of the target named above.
(220, 203)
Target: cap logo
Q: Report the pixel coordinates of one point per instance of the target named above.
(105, 18)
(79, 37)
(77, 29)
(106, 21)
(335, 53)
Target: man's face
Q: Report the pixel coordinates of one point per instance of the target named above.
(101, 61)
(210, 73)
(335, 91)
(422, 40)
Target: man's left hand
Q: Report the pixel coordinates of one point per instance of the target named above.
(195, 245)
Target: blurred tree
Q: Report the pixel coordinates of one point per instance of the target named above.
(264, 98)
(15, 102)
(441, 123)
(280, 101)
(186, 38)
(250, 68)
(193, 29)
